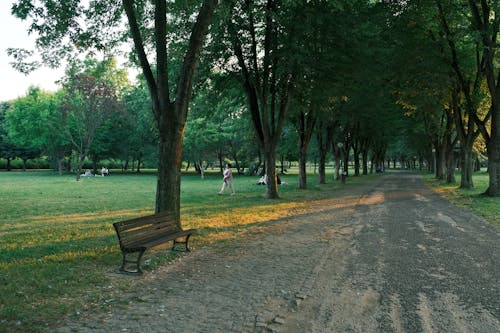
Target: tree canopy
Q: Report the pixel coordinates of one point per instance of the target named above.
(369, 81)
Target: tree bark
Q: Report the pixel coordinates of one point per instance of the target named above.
(168, 184)
(337, 152)
(494, 154)
(356, 160)
(467, 168)
(365, 161)
(272, 183)
(302, 167)
(323, 147)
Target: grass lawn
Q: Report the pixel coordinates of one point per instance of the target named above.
(59, 252)
(472, 199)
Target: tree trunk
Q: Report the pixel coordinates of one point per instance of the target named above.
(493, 147)
(220, 157)
(79, 164)
(438, 160)
(139, 161)
(270, 158)
(337, 161)
(322, 167)
(168, 189)
(302, 167)
(356, 162)
(365, 162)
(450, 166)
(59, 166)
(323, 147)
(466, 168)
(346, 160)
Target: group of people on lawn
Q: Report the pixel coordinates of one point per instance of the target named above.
(88, 173)
(227, 181)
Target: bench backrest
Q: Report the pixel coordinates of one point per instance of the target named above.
(144, 228)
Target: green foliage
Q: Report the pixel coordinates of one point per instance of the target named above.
(34, 122)
(66, 28)
(7, 148)
(141, 136)
(92, 109)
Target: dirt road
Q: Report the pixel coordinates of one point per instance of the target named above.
(390, 256)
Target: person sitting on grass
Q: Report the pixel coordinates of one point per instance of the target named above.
(87, 174)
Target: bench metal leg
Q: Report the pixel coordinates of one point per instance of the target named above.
(137, 262)
(186, 247)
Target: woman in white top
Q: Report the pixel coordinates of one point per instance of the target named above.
(227, 181)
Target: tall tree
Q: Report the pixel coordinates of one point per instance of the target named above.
(7, 149)
(485, 18)
(34, 123)
(90, 100)
(261, 34)
(61, 31)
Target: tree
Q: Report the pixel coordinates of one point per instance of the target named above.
(90, 100)
(485, 19)
(7, 149)
(60, 30)
(142, 135)
(261, 34)
(34, 123)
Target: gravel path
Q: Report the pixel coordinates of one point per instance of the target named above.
(391, 256)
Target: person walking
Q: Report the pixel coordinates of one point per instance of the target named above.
(227, 181)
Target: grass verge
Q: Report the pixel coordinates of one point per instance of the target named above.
(58, 250)
(471, 199)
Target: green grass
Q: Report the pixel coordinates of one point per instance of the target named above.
(58, 250)
(59, 253)
(471, 199)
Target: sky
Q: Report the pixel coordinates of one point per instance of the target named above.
(14, 33)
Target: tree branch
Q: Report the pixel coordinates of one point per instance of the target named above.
(185, 84)
(161, 53)
(141, 54)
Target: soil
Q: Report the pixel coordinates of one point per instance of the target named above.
(388, 256)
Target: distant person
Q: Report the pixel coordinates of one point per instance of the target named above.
(227, 181)
(87, 174)
(262, 180)
(104, 171)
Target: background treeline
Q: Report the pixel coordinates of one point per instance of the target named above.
(370, 84)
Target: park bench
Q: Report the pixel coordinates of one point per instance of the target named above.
(139, 234)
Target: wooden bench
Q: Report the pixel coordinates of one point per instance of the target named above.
(139, 234)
